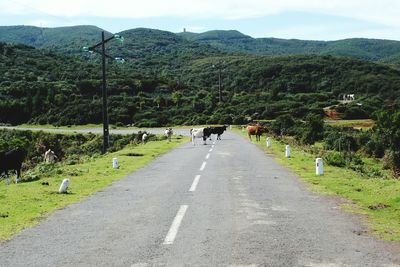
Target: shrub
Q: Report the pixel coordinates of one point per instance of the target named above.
(341, 141)
(349, 160)
(283, 125)
(335, 159)
(312, 130)
(388, 130)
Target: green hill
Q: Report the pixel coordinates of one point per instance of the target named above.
(42, 87)
(166, 46)
(68, 40)
(368, 49)
(148, 49)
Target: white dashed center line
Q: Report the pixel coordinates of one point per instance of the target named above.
(169, 239)
(208, 156)
(203, 166)
(194, 184)
(210, 150)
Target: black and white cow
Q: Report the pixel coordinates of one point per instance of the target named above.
(218, 130)
(200, 133)
(168, 133)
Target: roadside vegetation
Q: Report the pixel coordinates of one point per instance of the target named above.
(25, 204)
(360, 166)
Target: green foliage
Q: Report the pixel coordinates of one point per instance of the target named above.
(66, 147)
(341, 139)
(335, 159)
(69, 40)
(283, 125)
(388, 131)
(313, 129)
(344, 159)
(170, 80)
(234, 41)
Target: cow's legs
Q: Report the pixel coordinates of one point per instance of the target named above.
(18, 172)
(7, 177)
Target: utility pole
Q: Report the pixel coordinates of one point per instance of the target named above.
(219, 83)
(106, 132)
(92, 49)
(219, 65)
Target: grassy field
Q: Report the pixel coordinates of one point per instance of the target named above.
(357, 124)
(377, 199)
(26, 204)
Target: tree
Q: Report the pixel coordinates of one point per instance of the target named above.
(158, 100)
(177, 97)
(313, 129)
(283, 125)
(50, 96)
(37, 102)
(388, 131)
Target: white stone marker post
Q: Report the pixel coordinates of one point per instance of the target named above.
(287, 151)
(319, 166)
(268, 141)
(64, 186)
(115, 163)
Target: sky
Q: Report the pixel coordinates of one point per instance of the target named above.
(289, 19)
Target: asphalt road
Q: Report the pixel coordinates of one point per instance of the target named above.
(227, 205)
(178, 131)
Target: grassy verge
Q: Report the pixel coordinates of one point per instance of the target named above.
(376, 198)
(24, 205)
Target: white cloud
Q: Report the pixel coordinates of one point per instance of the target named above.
(327, 33)
(385, 12)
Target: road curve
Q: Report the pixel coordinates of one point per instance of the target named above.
(223, 205)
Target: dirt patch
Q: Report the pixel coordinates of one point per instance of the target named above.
(360, 232)
(133, 155)
(379, 206)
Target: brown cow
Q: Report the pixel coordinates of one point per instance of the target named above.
(256, 130)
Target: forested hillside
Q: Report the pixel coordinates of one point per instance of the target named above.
(156, 51)
(148, 42)
(68, 40)
(386, 51)
(165, 85)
